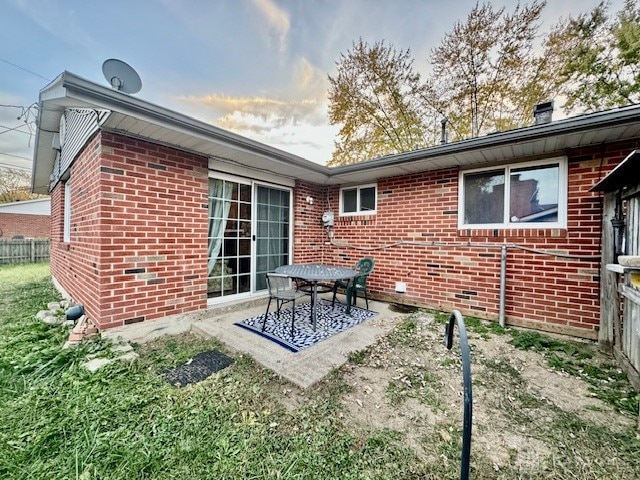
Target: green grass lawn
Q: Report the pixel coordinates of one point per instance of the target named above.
(59, 421)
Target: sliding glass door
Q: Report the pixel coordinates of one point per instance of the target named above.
(273, 229)
(248, 235)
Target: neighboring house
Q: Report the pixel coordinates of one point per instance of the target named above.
(26, 219)
(155, 213)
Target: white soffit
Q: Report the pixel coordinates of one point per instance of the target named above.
(206, 146)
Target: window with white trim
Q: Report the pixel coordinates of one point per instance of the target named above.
(358, 200)
(522, 195)
(66, 222)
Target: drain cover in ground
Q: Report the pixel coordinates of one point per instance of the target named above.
(198, 368)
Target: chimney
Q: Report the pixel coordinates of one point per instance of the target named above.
(543, 112)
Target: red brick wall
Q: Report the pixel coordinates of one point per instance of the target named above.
(29, 226)
(447, 268)
(138, 231)
(308, 230)
(75, 264)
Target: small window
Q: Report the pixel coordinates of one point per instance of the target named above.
(66, 223)
(359, 200)
(529, 195)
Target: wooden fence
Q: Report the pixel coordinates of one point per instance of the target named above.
(24, 251)
(629, 325)
(620, 285)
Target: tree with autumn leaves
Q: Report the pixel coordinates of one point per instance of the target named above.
(487, 75)
(600, 55)
(14, 186)
(377, 98)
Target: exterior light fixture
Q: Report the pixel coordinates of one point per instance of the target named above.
(618, 224)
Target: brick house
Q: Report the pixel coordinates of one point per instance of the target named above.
(26, 219)
(155, 213)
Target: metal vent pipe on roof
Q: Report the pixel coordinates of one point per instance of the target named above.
(443, 131)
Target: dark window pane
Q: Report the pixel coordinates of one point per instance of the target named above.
(263, 195)
(262, 263)
(263, 212)
(261, 281)
(245, 211)
(245, 193)
(231, 229)
(244, 284)
(534, 194)
(245, 247)
(263, 229)
(230, 247)
(245, 229)
(233, 186)
(274, 262)
(368, 198)
(484, 197)
(349, 200)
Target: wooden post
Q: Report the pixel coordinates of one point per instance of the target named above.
(609, 333)
(33, 251)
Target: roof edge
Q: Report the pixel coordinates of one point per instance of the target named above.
(619, 115)
(83, 89)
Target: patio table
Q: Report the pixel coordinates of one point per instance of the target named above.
(318, 272)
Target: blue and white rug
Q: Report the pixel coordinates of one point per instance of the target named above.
(330, 321)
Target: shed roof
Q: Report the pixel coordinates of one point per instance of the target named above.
(626, 173)
(37, 206)
(136, 117)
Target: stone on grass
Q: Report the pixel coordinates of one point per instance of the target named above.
(54, 306)
(95, 364)
(42, 314)
(48, 317)
(128, 357)
(52, 319)
(122, 348)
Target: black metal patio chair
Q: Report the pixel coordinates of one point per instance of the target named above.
(282, 290)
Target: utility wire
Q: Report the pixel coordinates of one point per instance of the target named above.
(15, 129)
(25, 69)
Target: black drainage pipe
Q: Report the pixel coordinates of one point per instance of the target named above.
(466, 379)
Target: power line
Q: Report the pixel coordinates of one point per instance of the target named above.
(25, 69)
(15, 129)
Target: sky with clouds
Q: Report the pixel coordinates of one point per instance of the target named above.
(256, 67)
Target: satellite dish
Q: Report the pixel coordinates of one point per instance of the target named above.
(121, 76)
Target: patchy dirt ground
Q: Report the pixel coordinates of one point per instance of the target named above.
(525, 413)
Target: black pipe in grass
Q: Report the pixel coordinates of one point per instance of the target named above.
(466, 379)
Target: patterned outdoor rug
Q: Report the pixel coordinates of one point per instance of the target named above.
(330, 321)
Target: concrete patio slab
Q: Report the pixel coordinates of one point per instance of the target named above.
(303, 368)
